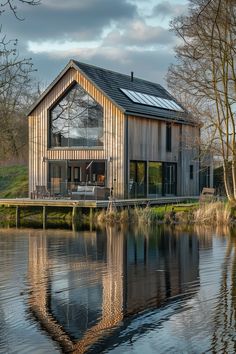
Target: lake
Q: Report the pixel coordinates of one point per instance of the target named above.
(118, 290)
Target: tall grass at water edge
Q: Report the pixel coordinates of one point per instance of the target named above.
(213, 213)
(206, 214)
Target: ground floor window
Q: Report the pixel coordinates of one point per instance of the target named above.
(155, 178)
(152, 178)
(66, 176)
(170, 172)
(137, 180)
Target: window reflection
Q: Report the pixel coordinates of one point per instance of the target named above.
(155, 178)
(76, 120)
(137, 180)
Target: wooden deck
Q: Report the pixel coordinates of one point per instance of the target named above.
(80, 206)
(26, 202)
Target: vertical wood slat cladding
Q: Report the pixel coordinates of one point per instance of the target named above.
(190, 156)
(113, 136)
(147, 140)
(38, 132)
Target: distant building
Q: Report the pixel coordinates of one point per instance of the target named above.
(97, 127)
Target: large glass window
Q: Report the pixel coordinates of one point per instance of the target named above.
(76, 120)
(155, 178)
(137, 180)
(66, 176)
(162, 177)
(170, 178)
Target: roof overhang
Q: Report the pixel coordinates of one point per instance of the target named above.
(174, 120)
(70, 65)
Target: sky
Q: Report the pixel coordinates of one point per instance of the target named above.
(120, 35)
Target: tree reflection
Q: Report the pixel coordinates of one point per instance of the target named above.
(223, 338)
(76, 120)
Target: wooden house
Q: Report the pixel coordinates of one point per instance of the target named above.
(98, 128)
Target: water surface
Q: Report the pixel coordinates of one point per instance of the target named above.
(117, 290)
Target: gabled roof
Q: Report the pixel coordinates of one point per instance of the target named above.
(111, 83)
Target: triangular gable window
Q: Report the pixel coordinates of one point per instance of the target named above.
(76, 120)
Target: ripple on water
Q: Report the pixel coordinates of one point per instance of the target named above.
(116, 291)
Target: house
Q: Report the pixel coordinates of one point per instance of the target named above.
(99, 128)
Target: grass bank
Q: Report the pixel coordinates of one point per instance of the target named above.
(158, 214)
(13, 181)
(215, 213)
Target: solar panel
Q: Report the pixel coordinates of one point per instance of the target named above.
(150, 100)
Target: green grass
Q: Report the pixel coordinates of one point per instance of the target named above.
(186, 207)
(13, 181)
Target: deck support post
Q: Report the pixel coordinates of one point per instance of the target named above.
(76, 217)
(44, 217)
(17, 216)
(91, 218)
(91, 215)
(74, 213)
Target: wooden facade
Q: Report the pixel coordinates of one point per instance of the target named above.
(147, 142)
(126, 138)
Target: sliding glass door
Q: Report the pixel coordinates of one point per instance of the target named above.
(170, 178)
(65, 176)
(138, 179)
(161, 180)
(155, 178)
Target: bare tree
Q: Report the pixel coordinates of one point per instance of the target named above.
(8, 48)
(15, 89)
(17, 93)
(206, 74)
(12, 5)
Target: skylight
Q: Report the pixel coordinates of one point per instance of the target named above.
(150, 100)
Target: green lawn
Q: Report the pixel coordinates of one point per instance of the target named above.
(13, 181)
(162, 210)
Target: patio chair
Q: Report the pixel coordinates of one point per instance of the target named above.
(207, 195)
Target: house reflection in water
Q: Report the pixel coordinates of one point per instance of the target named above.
(85, 285)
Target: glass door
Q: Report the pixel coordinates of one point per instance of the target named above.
(155, 177)
(170, 178)
(138, 179)
(58, 178)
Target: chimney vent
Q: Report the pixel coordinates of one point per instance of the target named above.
(132, 76)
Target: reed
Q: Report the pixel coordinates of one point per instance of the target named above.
(217, 213)
(213, 213)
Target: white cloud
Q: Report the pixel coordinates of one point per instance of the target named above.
(58, 46)
(120, 35)
(138, 33)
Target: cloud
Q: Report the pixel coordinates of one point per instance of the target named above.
(74, 20)
(138, 33)
(166, 9)
(147, 64)
(120, 35)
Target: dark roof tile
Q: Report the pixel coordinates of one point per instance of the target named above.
(111, 82)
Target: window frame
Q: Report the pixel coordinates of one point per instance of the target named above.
(168, 137)
(49, 122)
(191, 172)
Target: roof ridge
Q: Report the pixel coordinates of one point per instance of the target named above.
(117, 72)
